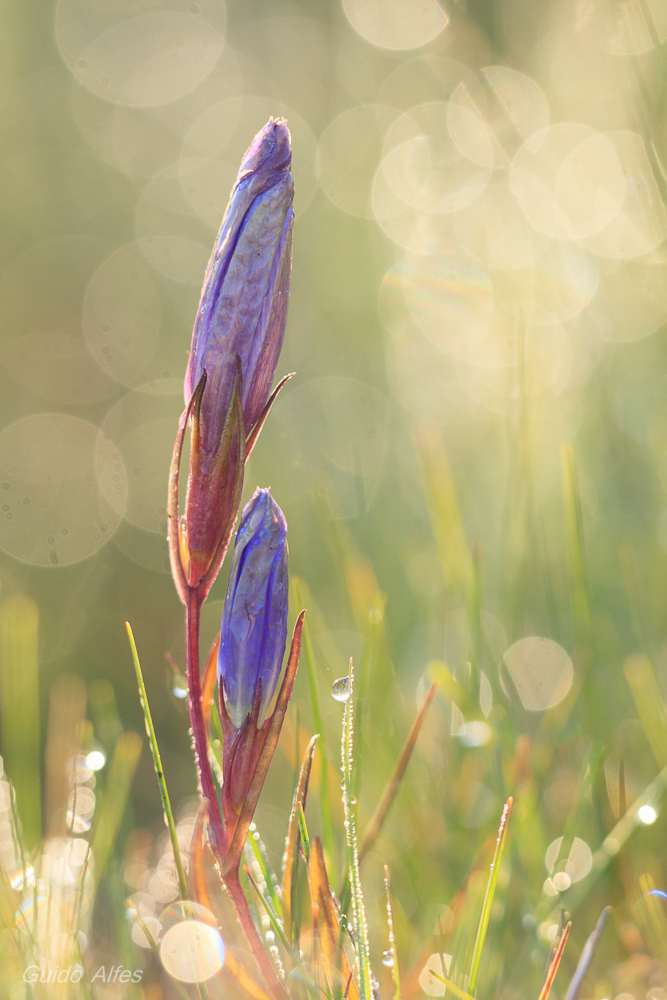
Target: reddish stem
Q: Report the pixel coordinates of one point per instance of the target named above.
(205, 774)
(244, 917)
(209, 794)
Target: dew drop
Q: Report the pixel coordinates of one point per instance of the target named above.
(388, 958)
(340, 689)
(179, 687)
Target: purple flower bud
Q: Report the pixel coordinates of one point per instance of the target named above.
(243, 307)
(254, 619)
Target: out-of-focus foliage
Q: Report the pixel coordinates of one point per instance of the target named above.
(472, 459)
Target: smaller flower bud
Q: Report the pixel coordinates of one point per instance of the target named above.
(254, 618)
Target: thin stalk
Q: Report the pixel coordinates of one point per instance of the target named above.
(244, 917)
(157, 764)
(488, 898)
(195, 710)
(392, 937)
(555, 962)
(456, 990)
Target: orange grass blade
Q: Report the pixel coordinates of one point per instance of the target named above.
(555, 962)
(336, 965)
(209, 678)
(292, 845)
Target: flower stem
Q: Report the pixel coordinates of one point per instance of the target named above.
(197, 724)
(244, 917)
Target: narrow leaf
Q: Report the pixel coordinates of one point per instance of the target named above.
(488, 896)
(395, 972)
(292, 846)
(647, 697)
(384, 805)
(555, 962)
(19, 709)
(110, 813)
(336, 965)
(587, 956)
(358, 909)
(157, 764)
(325, 807)
(456, 990)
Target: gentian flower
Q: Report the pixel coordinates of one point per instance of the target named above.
(254, 619)
(252, 646)
(236, 341)
(243, 307)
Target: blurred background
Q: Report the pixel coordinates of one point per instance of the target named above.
(472, 457)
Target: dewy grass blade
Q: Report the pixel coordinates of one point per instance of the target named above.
(268, 909)
(393, 955)
(157, 764)
(327, 934)
(256, 846)
(349, 805)
(488, 896)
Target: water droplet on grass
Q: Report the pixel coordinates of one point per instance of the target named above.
(388, 958)
(340, 689)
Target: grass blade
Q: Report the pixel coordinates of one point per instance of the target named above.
(378, 818)
(587, 956)
(157, 764)
(119, 781)
(67, 711)
(257, 853)
(358, 909)
(575, 527)
(555, 962)
(456, 990)
(303, 831)
(19, 709)
(209, 678)
(443, 507)
(395, 972)
(488, 896)
(268, 909)
(325, 807)
(647, 697)
(337, 969)
(292, 846)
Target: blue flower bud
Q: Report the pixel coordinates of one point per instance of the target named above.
(243, 307)
(254, 618)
